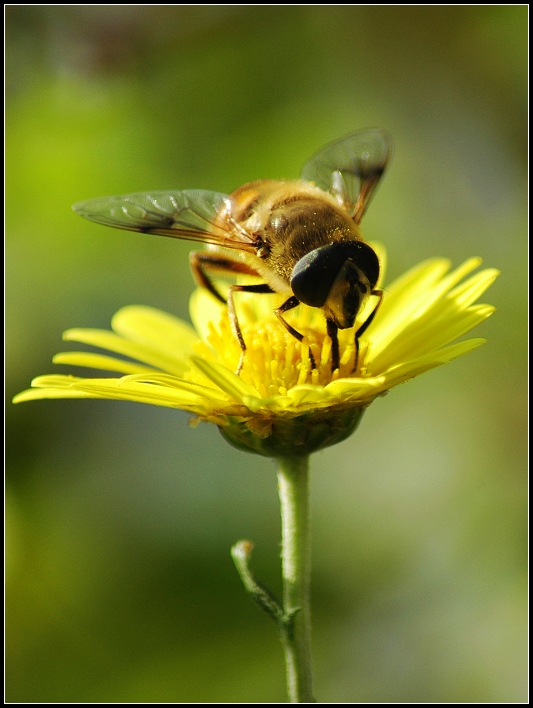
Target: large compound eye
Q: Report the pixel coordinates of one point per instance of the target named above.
(315, 274)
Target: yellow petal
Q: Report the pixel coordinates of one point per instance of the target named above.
(141, 392)
(468, 292)
(225, 379)
(156, 329)
(428, 336)
(114, 343)
(99, 361)
(204, 309)
(208, 392)
(36, 394)
(420, 365)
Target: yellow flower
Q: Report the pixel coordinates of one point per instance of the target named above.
(278, 405)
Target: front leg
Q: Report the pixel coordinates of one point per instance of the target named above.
(333, 329)
(234, 322)
(290, 304)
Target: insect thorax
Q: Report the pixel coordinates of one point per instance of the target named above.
(301, 225)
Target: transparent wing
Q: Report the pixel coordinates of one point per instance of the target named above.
(350, 168)
(189, 214)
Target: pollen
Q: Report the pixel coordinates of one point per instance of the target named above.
(275, 360)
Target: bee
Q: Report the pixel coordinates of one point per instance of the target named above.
(301, 237)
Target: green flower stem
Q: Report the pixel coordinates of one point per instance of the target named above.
(293, 487)
(292, 617)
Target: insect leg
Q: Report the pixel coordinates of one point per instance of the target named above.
(200, 261)
(362, 329)
(290, 304)
(234, 322)
(332, 333)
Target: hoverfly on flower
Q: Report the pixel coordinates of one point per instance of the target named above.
(301, 237)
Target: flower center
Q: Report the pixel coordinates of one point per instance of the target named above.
(275, 360)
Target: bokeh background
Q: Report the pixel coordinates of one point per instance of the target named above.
(120, 587)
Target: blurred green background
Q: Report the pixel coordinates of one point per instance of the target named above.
(120, 587)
